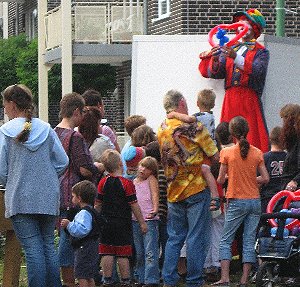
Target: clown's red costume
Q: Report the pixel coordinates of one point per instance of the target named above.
(244, 79)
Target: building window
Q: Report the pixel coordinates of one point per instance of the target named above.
(163, 8)
(31, 24)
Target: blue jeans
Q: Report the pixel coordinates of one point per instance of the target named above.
(240, 211)
(36, 234)
(65, 249)
(147, 252)
(188, 219)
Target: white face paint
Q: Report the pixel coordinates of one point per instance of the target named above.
(250, 30)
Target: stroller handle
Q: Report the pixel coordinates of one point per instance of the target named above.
(280, 215)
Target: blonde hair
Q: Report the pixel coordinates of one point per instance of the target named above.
(150, 163)
(111, 160)
(206, 99)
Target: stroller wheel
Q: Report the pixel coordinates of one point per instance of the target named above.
(267, 275)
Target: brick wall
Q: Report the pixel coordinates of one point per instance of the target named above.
(170, 25)
(113, 111)
(53, 112)
(198, 16)
(122, 72)
(53, 4)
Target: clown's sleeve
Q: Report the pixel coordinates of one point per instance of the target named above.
(212, 67)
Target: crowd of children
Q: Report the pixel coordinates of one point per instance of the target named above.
(114, 210)
(132, 198)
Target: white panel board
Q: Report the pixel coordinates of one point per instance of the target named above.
(282, 84)
(164, 62)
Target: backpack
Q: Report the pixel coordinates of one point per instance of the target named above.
(98, 222)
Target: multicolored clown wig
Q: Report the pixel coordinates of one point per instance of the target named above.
(255, 18)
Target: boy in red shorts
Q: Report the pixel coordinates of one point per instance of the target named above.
(116, 200)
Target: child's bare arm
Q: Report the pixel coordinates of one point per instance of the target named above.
(263, 177)
(154, 196)
(210, 180)
(182, 117)
(138, 214)
(222, 173)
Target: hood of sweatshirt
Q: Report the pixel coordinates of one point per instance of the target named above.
(38, 134)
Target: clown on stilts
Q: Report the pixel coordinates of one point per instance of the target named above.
(243, 65)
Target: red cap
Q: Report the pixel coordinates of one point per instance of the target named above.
(133, 156)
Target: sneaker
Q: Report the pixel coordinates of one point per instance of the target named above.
(253, 278)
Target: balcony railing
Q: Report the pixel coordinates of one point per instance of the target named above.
(97, 22)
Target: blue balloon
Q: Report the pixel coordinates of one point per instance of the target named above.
(274, 230)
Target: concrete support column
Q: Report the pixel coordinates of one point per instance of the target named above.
(42, 67)
(5, 20)
(66, 47)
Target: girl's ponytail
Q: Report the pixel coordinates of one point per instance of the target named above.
(244, 147)
(239, 129)
(24, 134)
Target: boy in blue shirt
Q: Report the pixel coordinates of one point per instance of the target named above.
(85, 233)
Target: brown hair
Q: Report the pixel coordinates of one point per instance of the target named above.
(143, 135)
(69, 103)
(86, 190)
(92, 98)
(206, 99)
(222, 134)
(275, 136)
(152, 149)
(239, 128)
(133, 122)
(22, 97)
(290, 114)
(89, 126)
(150, 163)
(111, 160)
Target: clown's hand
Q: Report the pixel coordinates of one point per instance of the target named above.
(215, 51)
(205, 54)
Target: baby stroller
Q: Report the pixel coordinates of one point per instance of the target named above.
(279, 248)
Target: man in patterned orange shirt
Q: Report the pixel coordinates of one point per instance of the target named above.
(183, 147)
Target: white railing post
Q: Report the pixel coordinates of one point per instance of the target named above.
(42, 68)
(66, 47)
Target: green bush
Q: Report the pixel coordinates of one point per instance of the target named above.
(10, 50)
(19, 64)
(27, 67)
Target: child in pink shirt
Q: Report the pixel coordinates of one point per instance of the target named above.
(146, 245)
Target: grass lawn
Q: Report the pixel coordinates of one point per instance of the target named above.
(23, 275)
(234, 276)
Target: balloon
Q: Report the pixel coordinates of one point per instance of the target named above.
(233, 26)
(295, 231)
(295, 210)
(274, 230)
(290, 196)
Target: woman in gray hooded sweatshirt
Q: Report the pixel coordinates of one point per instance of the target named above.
(32, 158)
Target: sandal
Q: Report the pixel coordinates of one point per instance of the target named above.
(214, 203)
(220, 284)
